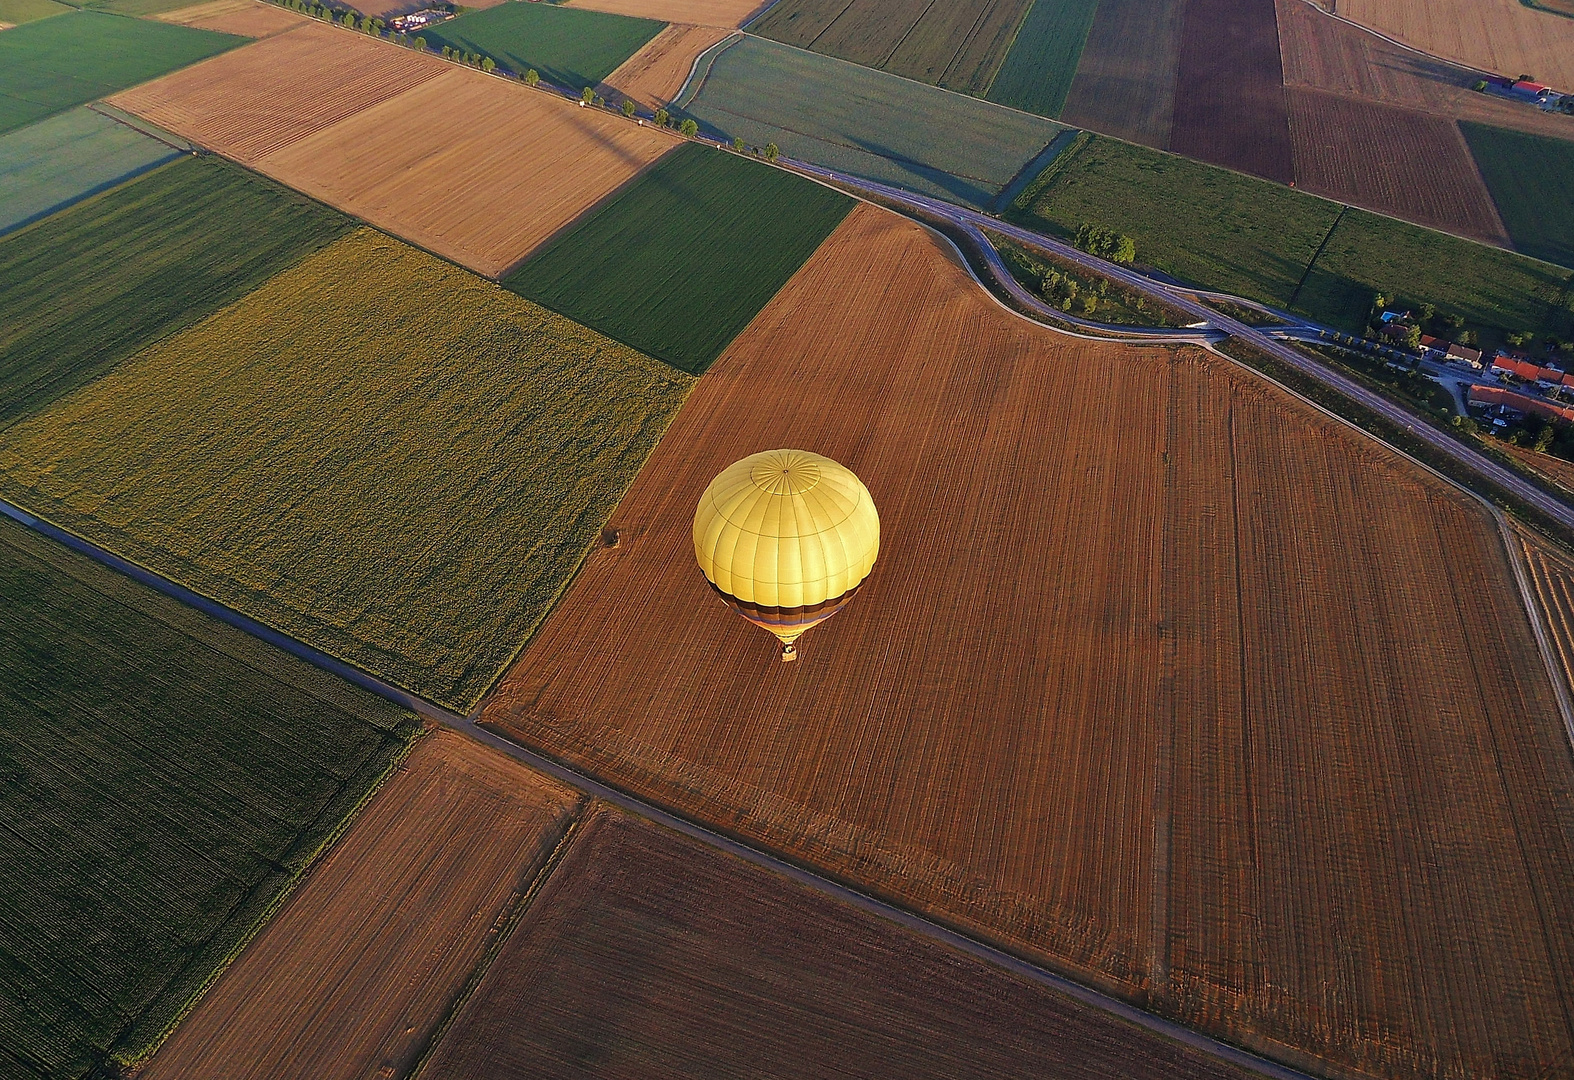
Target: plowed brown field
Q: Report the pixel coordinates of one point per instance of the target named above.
(1502, 36)
(1396, 161)
(1229, 91)
(1125, 84)
(1552, 576)
(483, 192)
(1161, 676)
(253, 101)
(248, 18)
(1323, 53)
(1555, 469)
(727, 13)
(504, 169)
(353, 976)
(653, 76)
(651, 954)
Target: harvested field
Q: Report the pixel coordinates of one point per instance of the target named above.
(49, 65)
(49, 165)
(1549, 467)
(407, 486)
(1282, 762)
(354, 974)
(867, 123)
(1125, 81)
(957, 46)
(1502, 36)
(714, 13)
(167, 779)
(680, 263)
(1323, 53)
(522, 166)
(1229, 91)
(1367, 254)
(248, 18)
(1551, 571)
(1532, 182)
(137, 264)
(1409, 164)
(280, 90)
(1204, 225)
(648, 953)
(568, 47)
(1039, 70)
(653, 76)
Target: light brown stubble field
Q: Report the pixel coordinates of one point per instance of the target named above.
(354, 974)
(1395, 161)
(653, 76)
(1501, 36)
(1551, 570)
(252, 101)
(648, 953)
(725, 13)
(471, 167)
(1161, 677)
(248, 18)
(1322, 53)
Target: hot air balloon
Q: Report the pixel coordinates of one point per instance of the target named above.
(785, 537)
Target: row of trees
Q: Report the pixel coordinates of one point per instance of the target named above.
(1106, 243)
(475, 60)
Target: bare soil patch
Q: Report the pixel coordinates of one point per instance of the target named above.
(1501, 36)
(256, 100)
(1395, 161)
(1552, 577)
(484, 193)
(1322, 53)
(352, 977)
(653, 76)
(248, 18)
(725, 13)
(648, 953)
(1125, 82)
(1161, 677)
(1229, 94)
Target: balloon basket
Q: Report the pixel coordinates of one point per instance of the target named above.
(789, 653)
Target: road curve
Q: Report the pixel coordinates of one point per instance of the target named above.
(1179, 297)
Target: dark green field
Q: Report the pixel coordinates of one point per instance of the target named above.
(1037, 72)
(1367, 254)
(166, 777)
(1531, 178)
(565, 46)
(55, 63)
(83, 290)
(680, 263)
(1201, 224)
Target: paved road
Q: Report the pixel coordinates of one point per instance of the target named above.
(1180, 298)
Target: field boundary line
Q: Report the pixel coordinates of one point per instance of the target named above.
(1393, 40)
(1511, 543)
(591, 786)
(682, 98)
(1318, 254)
(507, 924)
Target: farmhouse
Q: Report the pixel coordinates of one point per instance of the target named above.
(1524, 403)
(1463, 354)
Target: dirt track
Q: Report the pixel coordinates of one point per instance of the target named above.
(653, 76)
(1086, 703)
(353, 975)
(1501, 36)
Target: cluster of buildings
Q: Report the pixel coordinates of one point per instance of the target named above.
(1432, 348)
(416, 20)
(1530, 92)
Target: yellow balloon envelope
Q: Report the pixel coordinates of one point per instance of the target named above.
(786, 537)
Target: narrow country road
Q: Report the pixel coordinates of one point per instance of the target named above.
(973, 221)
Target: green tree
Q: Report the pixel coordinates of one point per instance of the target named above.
(1544, 438)
(447, 52)
(737, 146)
(488, 65)
(689, 129)
(587, 95)
(771, 151)
(420, 43)
(628, 108)
(1412, 337)
(532, 77)
(1090, 304)
(661, 117)
(1125, 251)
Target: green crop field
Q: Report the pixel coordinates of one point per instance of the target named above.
(139, 7)
(49, 165)
(1038, 70)
(568, 47)
(867, 123)
(1531, 178)
(376, 452)
(1204, 225)
(680, 263)
(15, 12)
(138, 263)
(1489, 287)
(52, 64)
(166, 778)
